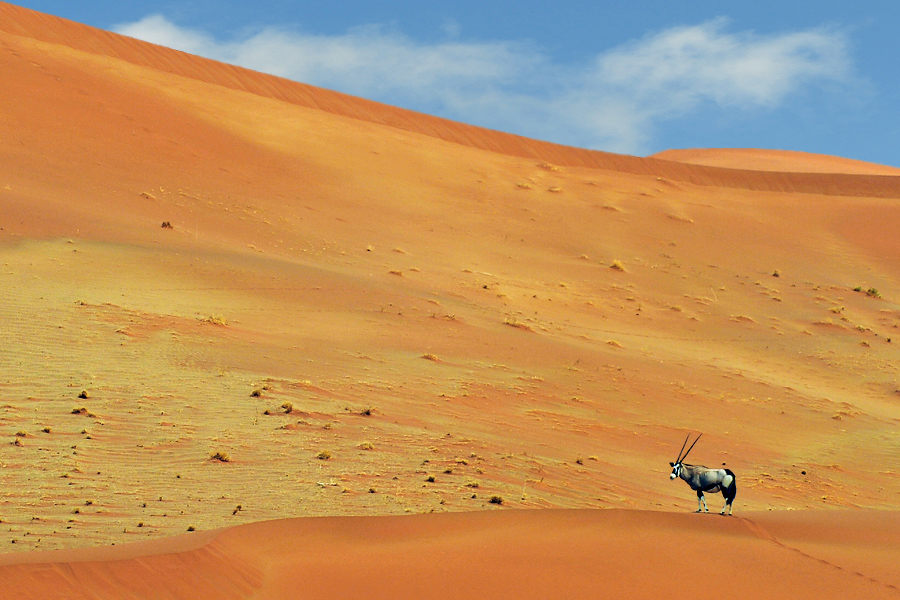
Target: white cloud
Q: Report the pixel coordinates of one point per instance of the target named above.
(611, 102)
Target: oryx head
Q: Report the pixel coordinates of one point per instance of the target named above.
(676, 466)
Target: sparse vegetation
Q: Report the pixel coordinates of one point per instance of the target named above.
(430, 479)
(513, 322)
(220, 456)
(256, 393)
(84, 395)
(496, 500)
(872, 292)
(323, 455)
(617, 265)
(288, 407)
(167, 225)
(431, 357)
(218, 320)
(365, 446)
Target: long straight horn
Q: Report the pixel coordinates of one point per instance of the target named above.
(678, 460)
(692, 447)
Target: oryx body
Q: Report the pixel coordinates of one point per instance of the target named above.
(702, 479)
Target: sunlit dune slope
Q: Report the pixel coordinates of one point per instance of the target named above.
(521, 554)
(362, 310)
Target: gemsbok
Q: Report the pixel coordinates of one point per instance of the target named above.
(701, 479)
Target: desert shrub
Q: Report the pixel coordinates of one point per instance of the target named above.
(496, 499)
(617, 266)
(220, 456)
(323, 455)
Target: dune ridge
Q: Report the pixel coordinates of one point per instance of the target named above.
(522, 554)
(24, 22)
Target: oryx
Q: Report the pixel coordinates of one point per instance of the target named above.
(703, 479)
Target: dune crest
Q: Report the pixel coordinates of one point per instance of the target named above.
(27, 23)
(521, 554)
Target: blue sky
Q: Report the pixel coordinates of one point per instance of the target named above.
(634, 77)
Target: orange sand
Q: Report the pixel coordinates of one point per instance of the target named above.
(415, 299)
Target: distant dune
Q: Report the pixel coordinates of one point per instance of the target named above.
(775, 160)
(254, 330)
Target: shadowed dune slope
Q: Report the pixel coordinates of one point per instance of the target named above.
(518, 554)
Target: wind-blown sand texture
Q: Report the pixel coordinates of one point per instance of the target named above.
(371, 313)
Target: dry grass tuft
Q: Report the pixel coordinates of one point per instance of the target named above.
(216, 320)
(220, 456)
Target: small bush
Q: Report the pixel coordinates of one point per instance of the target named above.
(496, 499)
(84, 395)
(323, 455)
(256, 393)
(288, 407)
(617, 266)
(430, 479)
(365, 446)
(220, 456)
(872, 292)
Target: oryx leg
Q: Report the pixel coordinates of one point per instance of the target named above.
(701, 502)
(728, 505)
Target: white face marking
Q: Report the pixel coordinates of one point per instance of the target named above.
(676, 471)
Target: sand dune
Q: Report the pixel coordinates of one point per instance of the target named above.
(366, 312)
(522, 554)
(775, 160)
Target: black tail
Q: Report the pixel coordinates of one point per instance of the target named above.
(731, 492)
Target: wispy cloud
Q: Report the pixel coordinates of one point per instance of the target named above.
(613, 101)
